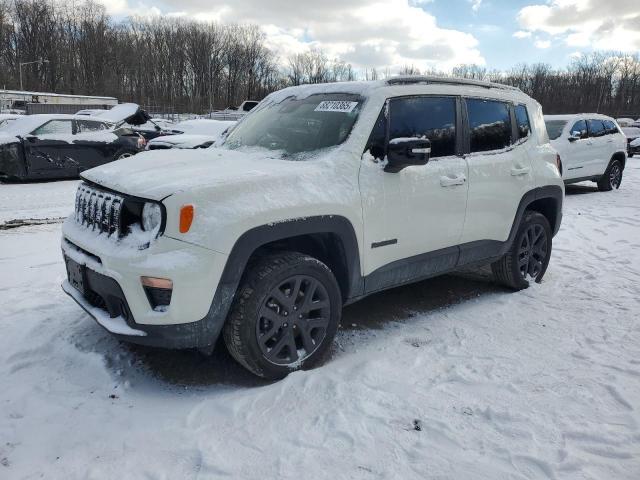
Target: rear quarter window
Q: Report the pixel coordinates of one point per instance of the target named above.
(554, 128)
(522, 120)
(489, 124)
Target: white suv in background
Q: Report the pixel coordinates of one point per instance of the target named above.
(591, 147)
(322, 195)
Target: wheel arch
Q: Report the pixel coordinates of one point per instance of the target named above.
(619, 156)
(331, 237)
(546, 200)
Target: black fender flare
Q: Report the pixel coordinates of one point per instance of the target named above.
(553, 192)
(253, 239)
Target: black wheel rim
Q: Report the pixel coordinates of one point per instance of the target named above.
(532, 251)
(293, 320)
(615, 176)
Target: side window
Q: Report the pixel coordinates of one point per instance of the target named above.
(85, 126)
(522, 119)
(378, 138)
(596, 128)
(581, 128)
(55, 127)
(610, 127)
(489, 124)
(425, 117)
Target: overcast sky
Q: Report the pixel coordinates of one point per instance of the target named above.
(424, 33)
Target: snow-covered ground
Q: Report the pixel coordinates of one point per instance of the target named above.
(452, 378)
(41, 201)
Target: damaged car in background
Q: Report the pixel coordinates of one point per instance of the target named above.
(199, 133)
(49, 147)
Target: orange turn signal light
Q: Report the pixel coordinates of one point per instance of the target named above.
(154, 282)
(186, 218)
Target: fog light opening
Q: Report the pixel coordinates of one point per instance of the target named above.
(158, 291)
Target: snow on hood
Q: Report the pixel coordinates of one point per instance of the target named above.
(183, 141)
(157, 174)
(130, 113)
(203, 126)
(4, 139)
(636, 142)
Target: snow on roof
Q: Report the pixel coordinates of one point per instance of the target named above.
(571, 116)
(27, 123)
(48, 94)
(366, 88)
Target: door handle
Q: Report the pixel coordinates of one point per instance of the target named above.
(520, 171)
(446, 181)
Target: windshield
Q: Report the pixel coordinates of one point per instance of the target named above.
(554, 128)
(295, 126)
(6, 121)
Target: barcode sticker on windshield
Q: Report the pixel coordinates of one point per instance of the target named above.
(335, 106)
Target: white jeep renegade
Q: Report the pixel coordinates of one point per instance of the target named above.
(320, 196)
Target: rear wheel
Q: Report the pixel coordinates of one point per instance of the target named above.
(285, 316)
(612, 177)
(529, 255)
(124, 155)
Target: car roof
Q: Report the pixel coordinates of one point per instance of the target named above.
(406, 85)
(59, 116)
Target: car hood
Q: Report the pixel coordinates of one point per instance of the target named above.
(159, 173)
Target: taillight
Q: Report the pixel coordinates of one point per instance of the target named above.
(559, 163)
(141, 142)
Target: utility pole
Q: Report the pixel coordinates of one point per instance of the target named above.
(39, 62)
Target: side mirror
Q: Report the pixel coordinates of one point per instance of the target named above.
(404, 152)
(576, 135)
(30, 138)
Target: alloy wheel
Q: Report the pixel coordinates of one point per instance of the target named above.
(293, 320)
(615, 176)
(532, 251)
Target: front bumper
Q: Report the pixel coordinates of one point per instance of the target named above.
(113, 274)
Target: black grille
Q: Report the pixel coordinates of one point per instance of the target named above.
(98, 209)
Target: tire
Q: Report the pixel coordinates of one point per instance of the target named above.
(522, 263)
(612, 177)
(123, 155)
(259, 332)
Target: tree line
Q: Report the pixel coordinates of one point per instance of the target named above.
(179, 65)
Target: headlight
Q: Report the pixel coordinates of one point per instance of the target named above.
(151, 217)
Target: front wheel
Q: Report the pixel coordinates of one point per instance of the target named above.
(612, 177)
(285, 315)
(529, 255)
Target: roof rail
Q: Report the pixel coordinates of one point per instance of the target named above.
(426, 79)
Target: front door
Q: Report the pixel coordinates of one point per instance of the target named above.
(414, 216)
(47, 150)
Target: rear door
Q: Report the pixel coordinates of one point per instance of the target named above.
(599, 148)
(48, 148)
(575, 153)
(94, 144)
(499, 169)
